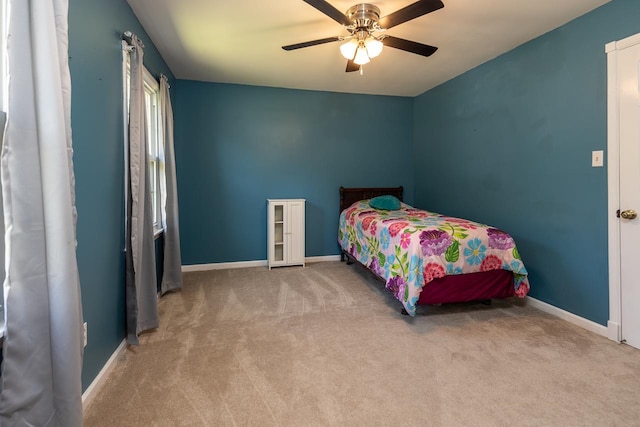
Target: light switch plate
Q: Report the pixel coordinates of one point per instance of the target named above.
(597, 159)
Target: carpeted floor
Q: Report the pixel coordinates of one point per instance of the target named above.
(327, 345)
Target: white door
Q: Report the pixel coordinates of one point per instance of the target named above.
(628, 75)
(295, 224)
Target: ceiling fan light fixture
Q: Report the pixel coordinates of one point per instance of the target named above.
(361, 56)
(348, 49)
(363, 22)
(374, 47)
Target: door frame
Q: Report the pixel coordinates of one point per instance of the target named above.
(613, 176)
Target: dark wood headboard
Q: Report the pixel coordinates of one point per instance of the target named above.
(349, 196)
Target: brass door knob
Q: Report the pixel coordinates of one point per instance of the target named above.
(629, 214)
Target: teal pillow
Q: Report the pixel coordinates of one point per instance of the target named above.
(387, 203)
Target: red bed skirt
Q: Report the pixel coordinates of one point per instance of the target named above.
(483, 285)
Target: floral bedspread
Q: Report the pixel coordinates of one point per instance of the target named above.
(410, 247)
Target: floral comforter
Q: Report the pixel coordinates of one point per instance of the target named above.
(410, 247)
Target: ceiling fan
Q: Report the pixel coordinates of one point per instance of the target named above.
(363, 23)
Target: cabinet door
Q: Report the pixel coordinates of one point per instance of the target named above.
(295, 233)
(277, 234)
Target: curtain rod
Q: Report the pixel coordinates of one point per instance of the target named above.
(166, 79)
(128, 37)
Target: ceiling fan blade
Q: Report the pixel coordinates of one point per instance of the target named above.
(330, 11)
(410, 12)
(311, 43)
(351, 66)
(409, 46)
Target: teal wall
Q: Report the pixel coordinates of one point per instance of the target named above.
(509, 143)
(95, 60)
(240, 145)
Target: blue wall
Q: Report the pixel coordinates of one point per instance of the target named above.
(240, 145)
(509, 143)
(95, 60)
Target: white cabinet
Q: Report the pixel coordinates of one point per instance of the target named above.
(285, 232)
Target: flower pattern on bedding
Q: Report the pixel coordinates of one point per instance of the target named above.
(410, 247)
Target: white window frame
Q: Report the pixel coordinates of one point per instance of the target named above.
(154, 136)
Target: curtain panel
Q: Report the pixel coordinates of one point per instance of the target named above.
(41, 372)
(141, 293)
(172, 268)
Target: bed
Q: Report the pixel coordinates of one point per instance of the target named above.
(428, 258)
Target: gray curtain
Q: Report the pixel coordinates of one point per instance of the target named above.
(141, 294)
(3, 121)
(41, 372)
(172, 269)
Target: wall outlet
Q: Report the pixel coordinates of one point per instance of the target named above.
(84, 334)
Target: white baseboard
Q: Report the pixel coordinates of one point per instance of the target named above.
(614, 331)
(102, 376)
(569, 317)
(327, 258)
(248, 264)
(223, 265)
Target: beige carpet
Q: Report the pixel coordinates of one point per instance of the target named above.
(327, 345)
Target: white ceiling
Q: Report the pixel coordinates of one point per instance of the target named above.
(239, 41)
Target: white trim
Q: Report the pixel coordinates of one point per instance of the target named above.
(157, 233)
(150, 80)
(99, 380)
(613, 178)
(248, 264)
(223, 265)
(125, 133)
(569, 317)
(614, 331)
(326, 258)
(628, 42)
(613, 190)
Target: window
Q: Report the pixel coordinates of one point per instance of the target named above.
(152, 101)
(154, 136)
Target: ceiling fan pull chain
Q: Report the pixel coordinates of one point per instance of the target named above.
(361, 71)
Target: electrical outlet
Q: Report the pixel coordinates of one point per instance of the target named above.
(84, 334)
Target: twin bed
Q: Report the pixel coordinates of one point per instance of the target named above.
(425, 257)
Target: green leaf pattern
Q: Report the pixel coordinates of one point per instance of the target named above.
(453, 252)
